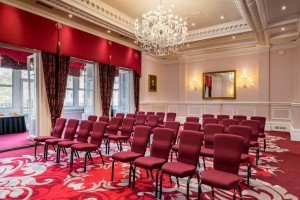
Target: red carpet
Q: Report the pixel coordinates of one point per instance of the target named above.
(8, 141)
(24, 177)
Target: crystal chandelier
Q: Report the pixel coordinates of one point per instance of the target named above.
(160, 31)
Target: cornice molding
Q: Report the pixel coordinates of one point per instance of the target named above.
(229, 28)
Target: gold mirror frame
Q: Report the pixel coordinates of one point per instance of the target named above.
(212, 98)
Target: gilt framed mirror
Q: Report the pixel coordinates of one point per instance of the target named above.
(219, 85)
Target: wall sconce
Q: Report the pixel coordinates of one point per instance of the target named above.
(195, 83)
(245, 81)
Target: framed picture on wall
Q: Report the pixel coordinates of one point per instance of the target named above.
(152, 83)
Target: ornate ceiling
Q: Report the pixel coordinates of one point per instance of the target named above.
(214, 25)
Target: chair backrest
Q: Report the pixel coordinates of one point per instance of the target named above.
(98, 133)
(58, 127)
(189, 147)
(254, 125)
(92, 118)
(229, 122)
(240, 117)
(192, 119)
(114, 125)
(127, 126)
(191, 126)
(150, 113)
(130, 115)
(84, 130)
(152, 121)
(140, 139)
(140, 112)
(104, 119)
(140, 119)
(161, 117)
(162, 142)
(174, 126)
(227, 152)
(209, 120)
(209, 131)
(207, 116)
(120, 115)
(262, 121)
(171, 117)
(243, 131)
(221, 117)
(71, 129)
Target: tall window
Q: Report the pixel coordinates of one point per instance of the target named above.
(6, 86)
(69, 98)
(121, 92)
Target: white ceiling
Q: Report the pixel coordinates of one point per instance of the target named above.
(203, 13)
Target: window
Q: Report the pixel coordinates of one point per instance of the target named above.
(121, 92)
(6, 77)
(69, 98)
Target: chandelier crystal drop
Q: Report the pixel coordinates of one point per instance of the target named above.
(160, 31)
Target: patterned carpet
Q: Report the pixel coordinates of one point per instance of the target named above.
(24, 177)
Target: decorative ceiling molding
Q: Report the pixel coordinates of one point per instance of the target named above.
(230, 28)
(241, 11)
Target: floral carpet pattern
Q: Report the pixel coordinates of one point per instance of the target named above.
(22, 176)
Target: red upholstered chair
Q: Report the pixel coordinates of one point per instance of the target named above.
(227, 157)
(92, 118)
(140, 119)
(240, 118)
(188, 156)
(207, 116)
(152, 121)
(261, 133)
(120, 115)
(209, 120)
(159, 153)
(175, 127)
(245, 132)
(229, 122)
(150, 113)
(113, 126)
(192, 119)
(130, 115)
(171, 117)
(55, 133)
(209, 131)
(94, 144)
(139, 144)
(104, 119)
(254, 125)
(187, 126)
(82, 137)
(69, 135)
(125, 133)
(140, 112)
(221, 117)
(161, 117)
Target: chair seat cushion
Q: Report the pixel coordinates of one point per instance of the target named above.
(43, 138)
(67, 144)
(84, 147)
(245, 158)
(219, 179)
(253, 143)
(175, 147)
(126, 156)
(261, 135)
(207, 152)
(118, 137)
(55, 141)
(149, 162)
(178, 169)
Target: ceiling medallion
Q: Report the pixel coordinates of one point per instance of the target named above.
(160, 31)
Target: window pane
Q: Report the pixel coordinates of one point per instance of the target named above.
(70, 82)
(5, 76)
(69, 98)
(6, 97)
(81, 97)
(81, 82)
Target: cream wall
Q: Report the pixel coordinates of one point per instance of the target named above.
(275, 93)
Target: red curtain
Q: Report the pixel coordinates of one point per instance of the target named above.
(136, 87)
(8, 62)
(55, 74)
(107, 78)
